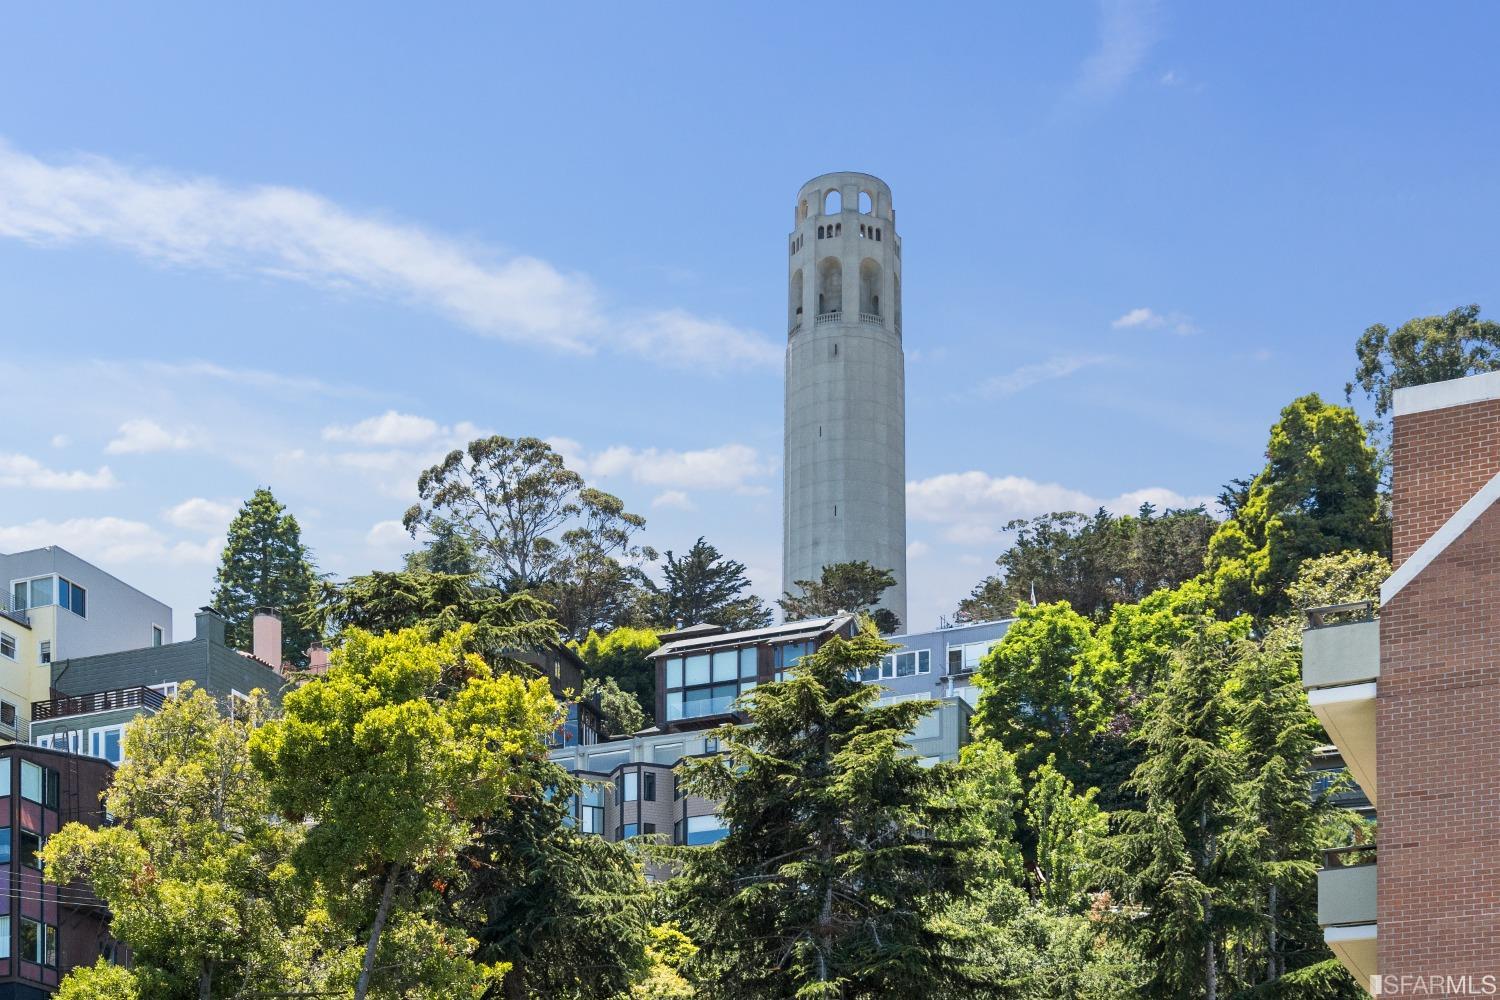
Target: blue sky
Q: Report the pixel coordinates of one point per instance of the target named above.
(316, 248)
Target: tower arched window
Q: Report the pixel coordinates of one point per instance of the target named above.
(869, 286)
(830, 285)
(833, 202)
(866, 203)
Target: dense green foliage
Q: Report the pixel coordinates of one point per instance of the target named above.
(834, 874)
(1093, 563)
(1421, 350)
(705, 586)
(1318, 494)
(265, 565)
(851, 586)
(621, 656)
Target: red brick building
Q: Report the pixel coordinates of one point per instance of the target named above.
(1412, 698)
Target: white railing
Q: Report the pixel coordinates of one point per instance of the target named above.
(833, 317)
(874, 318)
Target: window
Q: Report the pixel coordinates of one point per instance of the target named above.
(705, 830)
(4, 845)
(708, 683)
(168, 690)
(4, 778)
(667, 753)
(45, 651)
(965, 658)
(5, 936)
(72, 597)
(648, 828)
(648, 786)
(106, 743)
(627, 787)
(786, 656)
(38, 942)
(32, 781)
(156, 635)
(627, 830)
(35, 593)
(910, 663)
(7, 645)
(31, 845)
(71, 741)
(7, 714)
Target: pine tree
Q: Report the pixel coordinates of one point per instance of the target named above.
(846, 586)
(1187, 862)
(834, 873)
(265, 565)
(706, 586)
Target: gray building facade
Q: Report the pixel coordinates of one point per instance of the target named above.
(844, 476)
(95, 697)
(96, 612)
(938, 664)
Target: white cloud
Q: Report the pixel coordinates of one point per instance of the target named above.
(916, 550)
(19, 470)
(1127, 30)
(199, 514)
(724, 467)
(1029, 375)
(142, 436)
(972, 507)
(390, 428)
(296, 235)
(60, 441)
(385, 534)
(675, 499)
(1149, 319)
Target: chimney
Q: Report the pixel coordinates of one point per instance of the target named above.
(210, 626)
(317, 659)
(265, 637)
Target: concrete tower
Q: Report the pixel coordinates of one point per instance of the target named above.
(845, 471)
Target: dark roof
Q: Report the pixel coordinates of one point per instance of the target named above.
(688, 631)
(810, 628)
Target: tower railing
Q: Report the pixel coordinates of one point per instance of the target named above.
(830, 317)
(796, 328)
(874, 318)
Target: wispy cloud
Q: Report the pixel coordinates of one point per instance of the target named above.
(674, 499)
(201, 514)
(108, 540)
(393, 429)
(19, 470)
(142, 436)
(973, 506)
(1127, 30)
(1143, 318)
(734, 467)
(296, 235)
(1029, 375)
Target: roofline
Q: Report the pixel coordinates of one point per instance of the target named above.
(1441, 395)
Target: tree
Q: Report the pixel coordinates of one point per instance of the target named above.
(446, 551)
(1318, 494)
(622, 713)
(195, 875)
(1421, 350)
(1093, 563)
(565, 911)
(440, 603)
(1069, 829)
(265, 565)
(622, 655)
(848, 586)
(533, 523)
(1186, 862)
(833, 876)
(1039, 695)
(391, 758)
(704, 586)
(669, 953)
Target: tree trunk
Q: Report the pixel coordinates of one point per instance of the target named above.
(1211, 968)
(206, 980)
(362, 986)
(514, 983)
(1274, 964)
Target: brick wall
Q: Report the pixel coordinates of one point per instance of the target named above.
(1440, 459)
(1438, 710)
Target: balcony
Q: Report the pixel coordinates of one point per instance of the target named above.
(837, 316)
(143, 698)
(15, 614)
(1346, 908)
(1340, 670)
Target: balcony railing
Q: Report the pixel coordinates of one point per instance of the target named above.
(1341, 645)
(872, 318)
(97, 701)
(1346, 887)
(1349, 857)
(12, 612)
(829, 317)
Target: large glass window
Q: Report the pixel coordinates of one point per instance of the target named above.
(627, 787)
(696, 671)
(666, 753)
(32, 593)
(648, 786)
(5, 936)
(965, 658)
(705, 830)
(72, 597)
(4, 778)
(30, 846)
(31, 781)
(708, 683)
(106, 743)
(4, 845)
(38, 942)
(726, 666)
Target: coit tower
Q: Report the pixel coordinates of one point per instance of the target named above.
(845, 461)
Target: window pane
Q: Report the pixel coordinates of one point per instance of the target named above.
(627, 831)
(748, 661)
(62, 592)
(5, 937)
(726, 665)
(5, 845)
(49, 952)
(41, 592)
(7, 646)
(31, 781)
(674, 672)
(31, 940)
(18, 598)
(649, 789)
(667, 753)
(31, 843)
(697, 703)
(906, 664)
(888, 665)
(80, 602)
(870, 673)
(4, 778)
(724, 696)
(674, 706)
(924, 661)
(705, 830)
(955, 659)
(112, 746)
(696, 671)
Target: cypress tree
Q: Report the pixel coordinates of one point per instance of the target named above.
(265, 565)
(835, 870)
